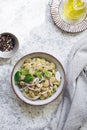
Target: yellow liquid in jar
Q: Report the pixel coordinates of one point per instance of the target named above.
(71, 13)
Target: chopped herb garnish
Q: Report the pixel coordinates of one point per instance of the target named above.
(38, 74)
(47, 73)
(17, 77)
(24, 71)
(28, 78)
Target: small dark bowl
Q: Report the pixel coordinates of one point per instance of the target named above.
(12, 52)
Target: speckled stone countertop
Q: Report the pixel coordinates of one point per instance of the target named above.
(31, 22)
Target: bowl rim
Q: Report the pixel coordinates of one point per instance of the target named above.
(64, 84)
(17, 44)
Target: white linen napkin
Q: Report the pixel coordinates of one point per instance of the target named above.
(72, 112)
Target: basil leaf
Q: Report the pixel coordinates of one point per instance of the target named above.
(17, 77)
(47, 73)
(28, 78)
(38, 74)
(24, 71)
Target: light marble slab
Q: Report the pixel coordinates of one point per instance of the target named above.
(31, 22)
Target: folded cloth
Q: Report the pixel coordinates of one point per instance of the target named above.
(72, 112)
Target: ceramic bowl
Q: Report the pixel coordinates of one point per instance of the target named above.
(59, 67)
(9, 54)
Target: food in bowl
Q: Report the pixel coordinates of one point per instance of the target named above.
(7, 42)
(37, 78)
(59, 74)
